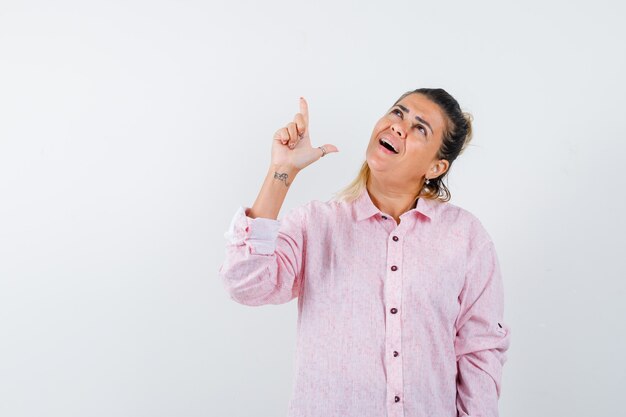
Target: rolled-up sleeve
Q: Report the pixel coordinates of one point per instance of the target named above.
(482, 336)
(264, 258)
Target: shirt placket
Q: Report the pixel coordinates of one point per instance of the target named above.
(393, 336)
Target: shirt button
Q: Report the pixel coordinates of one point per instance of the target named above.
(385, 217)
(395, 238)
(395, 353)
(397, 398)
(394, 268)
(394, 310)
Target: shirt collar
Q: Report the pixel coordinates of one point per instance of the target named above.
(365, 208)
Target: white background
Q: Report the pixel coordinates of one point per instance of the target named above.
(130, 132)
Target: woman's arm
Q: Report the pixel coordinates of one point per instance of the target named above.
(264, 255)
(264, 258)
(482, 336)
(273, 191)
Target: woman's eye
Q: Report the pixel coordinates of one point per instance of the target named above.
(421, 128)
(396, 111)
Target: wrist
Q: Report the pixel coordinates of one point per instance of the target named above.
(283, 169)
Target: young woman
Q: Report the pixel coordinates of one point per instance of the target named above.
(400, 295)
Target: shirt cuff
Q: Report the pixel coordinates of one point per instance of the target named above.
(259, 234)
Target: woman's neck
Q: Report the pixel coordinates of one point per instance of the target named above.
(390, 200)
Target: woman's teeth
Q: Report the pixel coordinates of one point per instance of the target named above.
(388, 145)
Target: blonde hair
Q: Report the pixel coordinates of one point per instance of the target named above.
(456, 137)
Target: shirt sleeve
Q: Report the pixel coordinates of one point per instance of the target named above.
(264, 258)
(482, 337)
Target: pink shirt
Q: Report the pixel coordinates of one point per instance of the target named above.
(393, 319)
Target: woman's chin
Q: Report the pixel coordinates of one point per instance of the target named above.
(378, 163)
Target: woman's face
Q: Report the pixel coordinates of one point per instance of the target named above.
(414, 127)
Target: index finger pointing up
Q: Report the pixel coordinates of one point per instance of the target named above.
(304, 109)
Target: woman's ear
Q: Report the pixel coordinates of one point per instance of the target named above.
(440, 168)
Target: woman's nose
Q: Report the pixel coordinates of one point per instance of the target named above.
(396, 128)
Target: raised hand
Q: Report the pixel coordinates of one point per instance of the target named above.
(291, 146)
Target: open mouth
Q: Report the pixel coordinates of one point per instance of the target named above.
(386, 144)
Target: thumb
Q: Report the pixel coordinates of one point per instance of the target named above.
(330, 148)
(311, 155)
